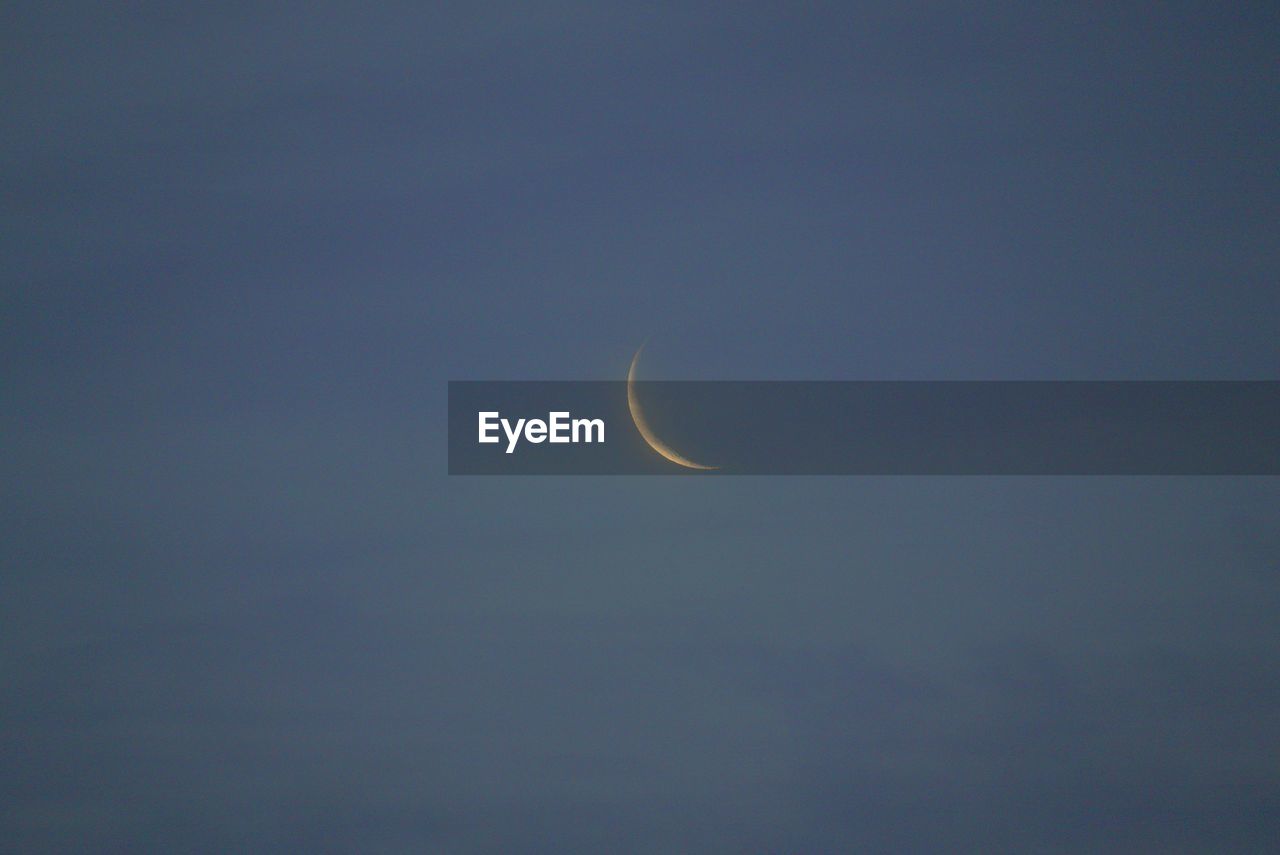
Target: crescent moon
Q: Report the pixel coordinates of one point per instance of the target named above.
(642, 424)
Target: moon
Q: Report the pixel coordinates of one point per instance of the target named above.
(642, 424)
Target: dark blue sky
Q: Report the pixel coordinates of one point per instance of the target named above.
(242, 249)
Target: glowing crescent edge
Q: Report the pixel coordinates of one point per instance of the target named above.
(642, 424)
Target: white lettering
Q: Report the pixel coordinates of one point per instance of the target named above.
(587, 426)
(559, 428)
(512, 435)
(486, 425)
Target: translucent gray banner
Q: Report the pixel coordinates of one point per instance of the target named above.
(864, 428)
